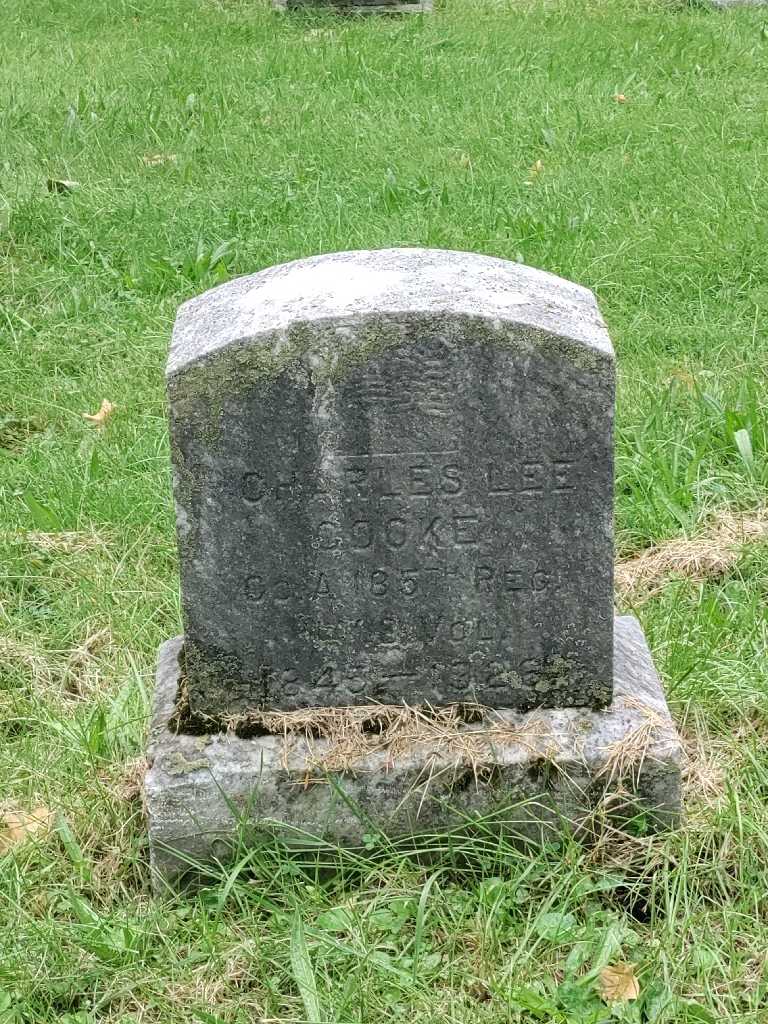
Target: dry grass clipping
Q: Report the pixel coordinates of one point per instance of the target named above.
(63, 542)
(710, 555)
(710, 760)
(625, 758)
(341, 739)
(124, 781)
(707, 763)
(403, 731)
(77, 673)
(25, 657)
(619, 778)
(83, 673)
(67, 542)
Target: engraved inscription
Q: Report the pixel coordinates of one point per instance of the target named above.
(424, 381)
(394, 487)
(400, 581)
(403, 531)
(432, 533)
(406, 581)
(530, 478)
(474, 670)
(414, 477)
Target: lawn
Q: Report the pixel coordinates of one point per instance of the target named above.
(621, 145)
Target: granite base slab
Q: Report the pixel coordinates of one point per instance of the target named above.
(531, 774)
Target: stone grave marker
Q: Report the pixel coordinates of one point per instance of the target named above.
(359, 6)
(393, 479)
(394, 483)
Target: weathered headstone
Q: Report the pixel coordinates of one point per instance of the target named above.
(359, 6)
(393, 478)
(394, 483)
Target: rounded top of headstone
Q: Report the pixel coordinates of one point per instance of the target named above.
(338, 292)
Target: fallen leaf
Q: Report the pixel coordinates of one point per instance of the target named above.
(620, 97)
(61, 185)
(100, 418)
(156, 159)
(17, 827)
(537, 168)
(618, 984)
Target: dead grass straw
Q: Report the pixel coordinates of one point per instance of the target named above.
(341, 739)
(710, 555)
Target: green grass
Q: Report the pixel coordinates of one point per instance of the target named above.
(297, 135)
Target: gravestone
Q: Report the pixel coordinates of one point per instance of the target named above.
(359, 6)
(393, 480)
(394, 483)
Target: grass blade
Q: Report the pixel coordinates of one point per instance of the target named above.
(303, 973)
(43, 517)
(421, 915)
(744, 444)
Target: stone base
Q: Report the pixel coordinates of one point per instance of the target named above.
(529, 774)
(358, 6)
